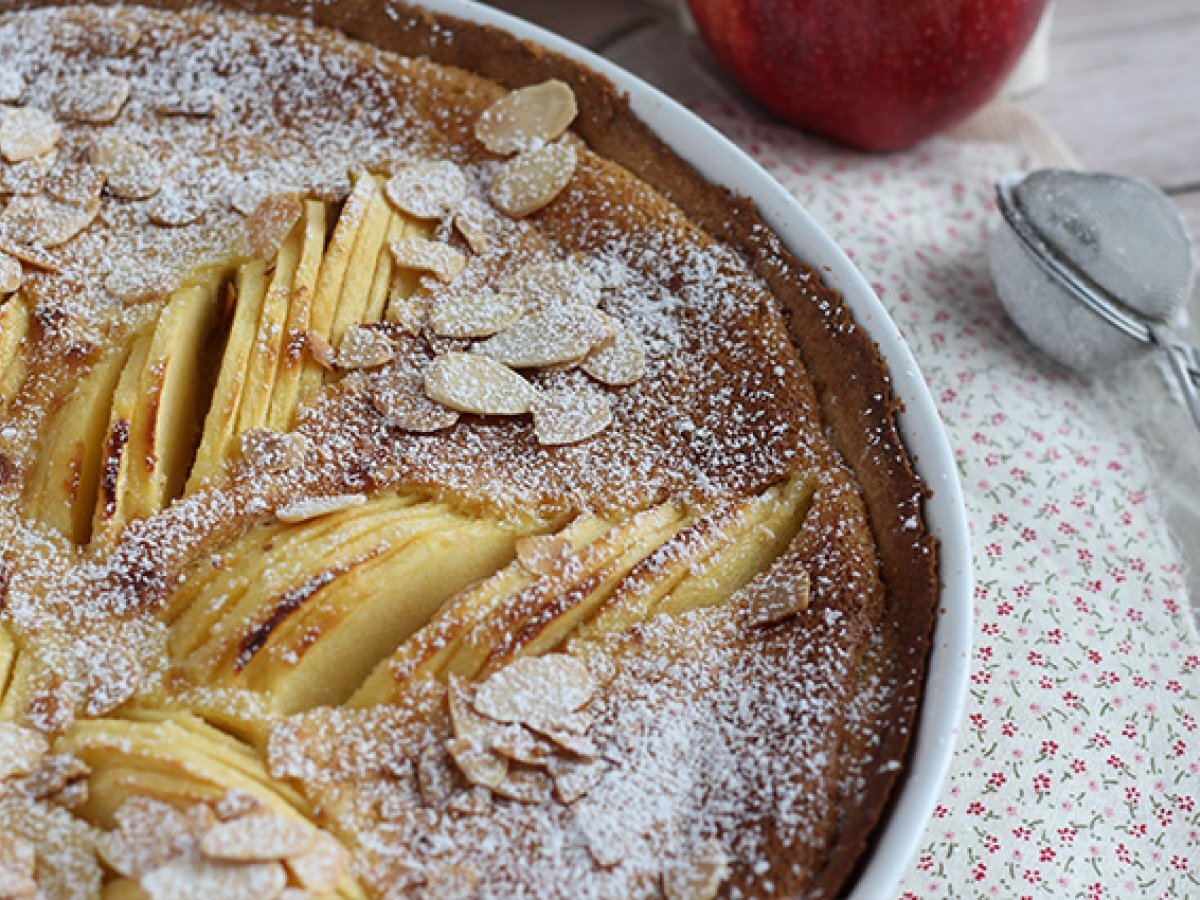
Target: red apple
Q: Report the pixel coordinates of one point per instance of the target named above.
(876, 74)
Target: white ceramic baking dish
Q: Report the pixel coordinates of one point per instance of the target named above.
(720, 161)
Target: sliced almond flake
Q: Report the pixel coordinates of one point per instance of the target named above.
(476, 801)
(532, 180)
(700, 876)
(474, 315)
(443, 345)
(93, 99)
(573, 780)
(149, 834)
(18, 861)
(466, 723)
(12, 85)
(570, 415)
(517, 743)
(527, 118)
(535, 689)
(320, 351)
(364, 348)
(542, 554)
(134, 172)
(11, 274)
(477, 384)
(269, 224)
(27, 177)
(451, 883)
(323, 865)
(315, 507)
(427, 190)
(54, 773)
(21, 749)
(435, 779)
(478, 764)
(575, 742)
(410, 313)
(30, 255)
(428, 256)
(618, 361)
(45, 222)
(776, 599)
(559, 335)
(113, 678)
(257, 837)
(548, 284)
(329, 187)
(474, 221)
(177, 205)
(200, 104)
(268, 451)
(399, 396)
(523, 785)
(235, 804)
(78, 183)
(26, 132)
(204, 880)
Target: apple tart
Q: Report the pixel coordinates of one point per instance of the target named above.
(415, 480)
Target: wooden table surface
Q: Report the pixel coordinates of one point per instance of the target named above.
(1123, 91)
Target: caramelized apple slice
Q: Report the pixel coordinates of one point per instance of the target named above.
(286, 394)
(8, 660)
(14, 325)
(385, 269)
(220, 426)
(63, 483)
(360, 272)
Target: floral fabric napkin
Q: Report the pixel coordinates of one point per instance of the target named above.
(1077, 769)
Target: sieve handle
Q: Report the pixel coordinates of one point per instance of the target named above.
(1185, 363)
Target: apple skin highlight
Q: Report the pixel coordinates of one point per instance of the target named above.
(875, 74)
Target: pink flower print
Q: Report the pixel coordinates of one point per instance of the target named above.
(1041, 782)
(1078, 766)
(1180, 862)
(1046, 854)
(991, 843)
(1022, 832)
(1049, 748)
(979, 872)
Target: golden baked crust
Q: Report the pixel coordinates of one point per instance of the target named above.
(732, 409)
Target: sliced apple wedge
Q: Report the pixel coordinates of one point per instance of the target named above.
(16, 692)
(285, 397)
(14, 325)
(64, 480)
(425, 654)
(254, 410)
(112, 500)
(385, 270)
(218, 439)
(332, 277)
(358, 619)
(357, 285)
(170, 393)
(8, 660)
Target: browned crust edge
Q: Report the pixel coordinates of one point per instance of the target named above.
(852, 382)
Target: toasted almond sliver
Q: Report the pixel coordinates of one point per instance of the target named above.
(320, 351)
(323, 865)
(474, 802)
(527, 118)
(476, 384)
(428, 256)
(236, 804)
(559, 335)
(473, 315)
(18, 860)
(519, 744)
(472, 221)
(203, 880)
(272, 220)
(532, 180)
(478, 765)
(257, 837)
(78, 183)
(92, 99)
(268, 451)
(570, 415)
(700, 876)
(542, 554)
(427, 190)
(464, 720)
(134, 172)
(573, 780)
(53, 773)
(112, 679)
(535, 689)
(12, 85)
(27, 177)
(435, 778)
(315, 507)
(773, 600)
(550, 284)
(150, 834)
(44, 221)
(530, 786)
(364, 348)
(26, 132)
(30, 255)
(11, 274)
(618, 361)
(177, 205)
(575, 742)
(399, 397)
(20, 750)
